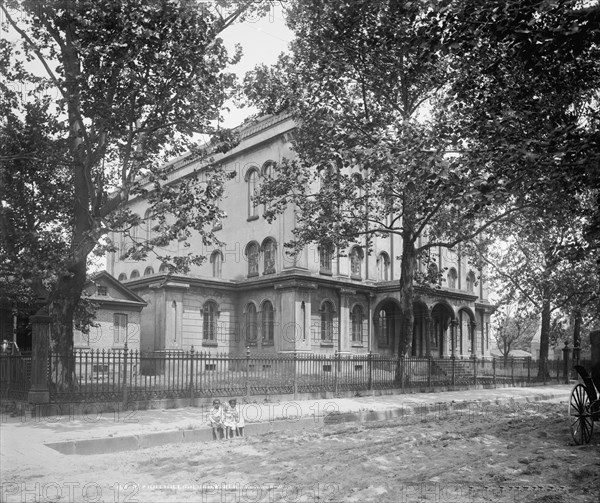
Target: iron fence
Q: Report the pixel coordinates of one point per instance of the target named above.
(15, 375)
(125, 375)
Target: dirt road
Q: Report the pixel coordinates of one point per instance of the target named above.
(521, 453)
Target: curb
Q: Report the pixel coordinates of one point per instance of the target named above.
(420, 412)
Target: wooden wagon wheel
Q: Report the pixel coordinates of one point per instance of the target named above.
(580, 415)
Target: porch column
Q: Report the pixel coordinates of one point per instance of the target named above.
(473, 338)
(446, 338)
(453, 325)
(428, 329)
(40, 342)
(345, 320)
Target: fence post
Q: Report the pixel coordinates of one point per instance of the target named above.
(529, 370)
(494, 371)
(566, 353)
(453, 359)
(192, 376)
(125, 395)
(247, 371)
(402, 371)
(512, 370)
(40, 350)
(474, 369)
(295, 375)
(429, 362)
(335, 375)
(370, 362)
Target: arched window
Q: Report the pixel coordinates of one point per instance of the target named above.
(149, 270)
(268, 324)
(163, 268)
(267, 169)
(357, 323)
(252, 257)
(122, 277)
(209, 322)
(327, 322)
(135, 274)
(325, 258)
(251, 324)
(471, 281)
(383, 267)
(452, 275)
(356, 257)
(252, 181)
(216, 259)
(268, 248)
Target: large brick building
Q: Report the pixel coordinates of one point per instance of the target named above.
(249, 293)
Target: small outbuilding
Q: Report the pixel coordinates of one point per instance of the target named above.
(118, 315)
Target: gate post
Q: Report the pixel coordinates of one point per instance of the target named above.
(566, 353)
(247, 371)
(40, 346)
(295, 362)
(192, 376)
(370, 360)
(125, 394)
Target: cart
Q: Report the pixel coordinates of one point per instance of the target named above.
(584, 405)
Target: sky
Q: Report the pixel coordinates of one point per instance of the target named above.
(262, 40)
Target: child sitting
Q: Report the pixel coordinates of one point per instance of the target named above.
(236, 419)
(216, 419)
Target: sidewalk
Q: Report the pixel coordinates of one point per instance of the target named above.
(51, 438)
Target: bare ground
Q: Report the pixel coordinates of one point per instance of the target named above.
(498, 454)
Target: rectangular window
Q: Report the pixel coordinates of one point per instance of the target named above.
(120, 328)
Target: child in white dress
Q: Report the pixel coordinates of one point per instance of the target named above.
(216, 419)
(237, 419)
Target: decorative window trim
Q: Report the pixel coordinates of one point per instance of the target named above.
(356, 251)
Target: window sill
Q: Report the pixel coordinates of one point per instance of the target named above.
(356, 277)
(252, 217)
(253, 275)
(357, 345)
(210, 344)
(270, 271)
(325, 272)
(270, 343)
(326, 344)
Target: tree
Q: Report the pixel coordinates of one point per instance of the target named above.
(536, 270)
(377, 154)
(126, 85)
(456, 115)
(514, 328)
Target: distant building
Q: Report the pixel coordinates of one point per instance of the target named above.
(249, 293)
(117, 318)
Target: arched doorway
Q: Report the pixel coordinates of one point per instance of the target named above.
(386, 321)
(465, 343)
(421, 320)
(441, 341)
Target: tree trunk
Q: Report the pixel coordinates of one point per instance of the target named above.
(544, 336)
(407, 293)
(63, 303)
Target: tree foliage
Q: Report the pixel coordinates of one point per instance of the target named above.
(124, 87)
(435, 121)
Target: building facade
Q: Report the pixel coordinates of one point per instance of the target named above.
(250, 294)
(116, 319)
